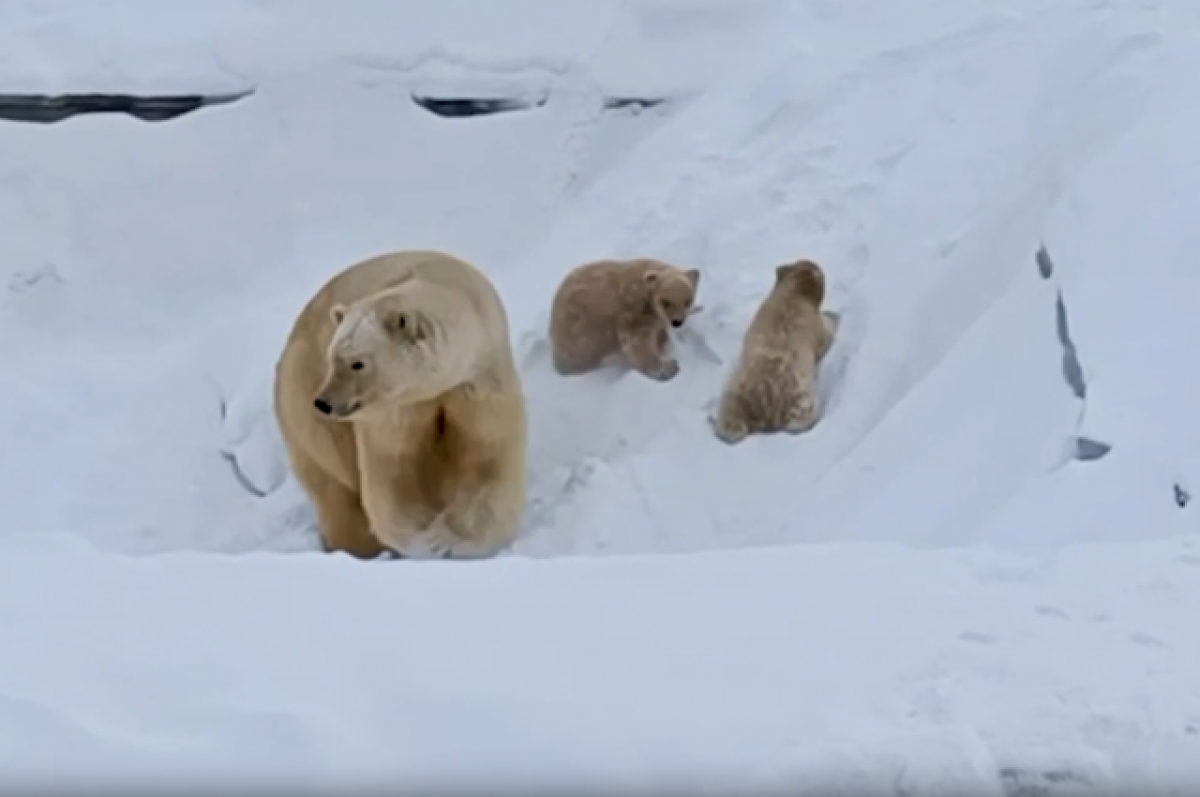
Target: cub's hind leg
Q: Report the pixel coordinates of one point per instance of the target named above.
(803, 413)
(728, 421)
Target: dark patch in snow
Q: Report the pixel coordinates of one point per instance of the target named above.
(241, 477)
(1044, 263)
(1089, 450)
(1071, 369)
(44, 276)
(1086, 449)
(636, 104)
(48, 109)
(1182, 496)
(1018, 782)
(465, 107)
(231, 459)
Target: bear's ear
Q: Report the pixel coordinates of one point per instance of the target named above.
(337, 313)
(693, 276)
(782, 272)
(651, 278)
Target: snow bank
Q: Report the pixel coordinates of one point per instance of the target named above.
(946, 378)
(864, 665)
(1003, 201)
(166, 261)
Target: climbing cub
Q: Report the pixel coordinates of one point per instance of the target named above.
(773, 387)
(621, 308)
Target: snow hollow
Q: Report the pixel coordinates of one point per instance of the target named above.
(979, 574)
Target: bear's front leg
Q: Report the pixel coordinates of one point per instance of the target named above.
(465, 530)
(484, 516)
(396, 519)
(408, 533)
(434, 542)
(461, 532)
(647, 350)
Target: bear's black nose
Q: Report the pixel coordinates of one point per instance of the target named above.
(677, 323)
(323, 406)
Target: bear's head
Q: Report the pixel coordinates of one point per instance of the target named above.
(385, 350)
(672, 293)
(803, 278)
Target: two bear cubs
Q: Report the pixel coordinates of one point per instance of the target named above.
(611, 308)
(403, 414)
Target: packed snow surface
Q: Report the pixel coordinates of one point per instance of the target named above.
(980, 573)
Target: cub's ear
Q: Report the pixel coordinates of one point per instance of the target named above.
(782, 272)
(651, 278)
(337, 313)
(693, 276)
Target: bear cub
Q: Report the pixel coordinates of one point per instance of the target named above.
(773, 387)
(621, 309)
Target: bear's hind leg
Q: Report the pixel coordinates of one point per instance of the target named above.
(568, 363)
(830, 321)
(802, 415)
(728, 421)
(344, 524)
(729, 431)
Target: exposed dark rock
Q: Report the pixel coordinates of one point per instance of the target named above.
(48, 109)
(1072, 370)
(1089, 450)
(635, 103)
(463, 107)
(1044, 263)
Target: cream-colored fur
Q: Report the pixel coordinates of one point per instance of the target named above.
(402, 411)
(621, 306)
(774, 383)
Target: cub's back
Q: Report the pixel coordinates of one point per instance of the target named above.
(784, 325)
(589, 290)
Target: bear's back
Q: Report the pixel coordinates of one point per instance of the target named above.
(462, 277)
(785, 325)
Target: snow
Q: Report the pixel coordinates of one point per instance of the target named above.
(930, 593)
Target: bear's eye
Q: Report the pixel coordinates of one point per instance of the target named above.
(356, 366)
(402, 321)
(668, 306)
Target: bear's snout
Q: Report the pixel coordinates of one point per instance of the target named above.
(338, 410)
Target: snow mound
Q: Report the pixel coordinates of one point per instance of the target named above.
(1003, 199)
(848, 666)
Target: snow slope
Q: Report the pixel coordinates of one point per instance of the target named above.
(978, 572)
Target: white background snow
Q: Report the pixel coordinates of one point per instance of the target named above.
(931, 593)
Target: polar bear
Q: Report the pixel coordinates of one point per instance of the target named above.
(402, 410)
(773, 387)
(608, 307)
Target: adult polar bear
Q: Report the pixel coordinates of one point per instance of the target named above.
(402, 410)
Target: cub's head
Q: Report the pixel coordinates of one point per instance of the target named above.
(803, 278)
(672, 293)
(383, 351)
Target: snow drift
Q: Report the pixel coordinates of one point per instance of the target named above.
(1002, 199)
